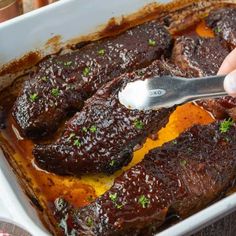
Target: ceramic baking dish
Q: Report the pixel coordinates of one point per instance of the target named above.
(30, 32)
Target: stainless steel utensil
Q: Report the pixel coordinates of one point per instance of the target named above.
(167, 91)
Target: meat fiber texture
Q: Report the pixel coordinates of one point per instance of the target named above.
(181, 177)
(103, 136)
(223, 22)
(62, 83)
(203, 57)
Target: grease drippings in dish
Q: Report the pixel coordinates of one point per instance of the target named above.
(74, 186)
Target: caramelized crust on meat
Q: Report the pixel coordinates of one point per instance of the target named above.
(182, 176)
(223, 22)
(62, 83)
(102, 137)
(199, 56)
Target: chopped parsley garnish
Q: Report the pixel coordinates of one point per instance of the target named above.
(138, 124)
(67, 63)
(140, 73)
(225, 125)
(33, 97)
(144, 201)
(85, 129)
(44, 78)
(90, 198)
(113, 196)
(89, 222)
(119, 206)
(112, 163)
(183, 163)
(71, 136)
(77, 143)
(151, 42)
(217, 30)
(93, 129)
(101, 52)
(86, 71)
(55, 92)
(174, 142)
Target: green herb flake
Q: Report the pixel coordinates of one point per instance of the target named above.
(90, 198)
(217, 30)
(183, 163)
(113, 196)
(86, 71)
(67, 63)
(44, 78)
(85, 129)
(138, 124)
(112, 163)
(151, 42)
(225, 125)
(77, 143)
(101, 52)
(174, 142)
(33, 97)
(119, 206)
(89, 222)
(71, 136)
(93, 129)
(55, 92)
(144, 201)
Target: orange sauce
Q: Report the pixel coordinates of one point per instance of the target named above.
(203, 30)
(81, 190)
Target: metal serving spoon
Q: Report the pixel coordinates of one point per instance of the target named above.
(167, 91)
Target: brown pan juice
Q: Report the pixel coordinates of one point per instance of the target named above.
(46, 187)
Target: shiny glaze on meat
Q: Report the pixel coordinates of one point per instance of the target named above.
(62, 83)
(223, 22)
(182, 176)
(102, 137)
(199, 56)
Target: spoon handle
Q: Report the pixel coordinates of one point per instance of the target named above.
(206, 87)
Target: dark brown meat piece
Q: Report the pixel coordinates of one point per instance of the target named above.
(223, 22)
(102, 137)
(203, 57)
(63, 83)
(220, 108)
(182, 177)
(199, 56)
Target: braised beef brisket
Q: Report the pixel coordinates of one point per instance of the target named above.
(102, 137)
(182, 176)
(62, 83)
(199, 56)
(223, 22)
(203, 57)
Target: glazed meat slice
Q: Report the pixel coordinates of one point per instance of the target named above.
(199, 56)
(220, 108)
(62, 83)
(223, 22)
(102, 137)
(203, 57)
(181, 177)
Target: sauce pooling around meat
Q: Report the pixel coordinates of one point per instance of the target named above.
(46, 187)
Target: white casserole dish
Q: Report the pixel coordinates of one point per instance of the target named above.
(70, 19)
